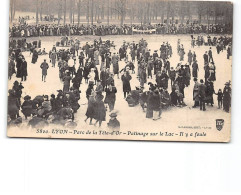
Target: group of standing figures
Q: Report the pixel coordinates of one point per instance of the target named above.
(81, 62)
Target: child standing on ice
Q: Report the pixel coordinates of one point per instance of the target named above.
(220, 98)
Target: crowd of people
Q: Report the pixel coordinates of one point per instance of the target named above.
(78, 62)
(40, 30)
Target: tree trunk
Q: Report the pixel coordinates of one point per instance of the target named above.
(60, 11)
(92, 12)
(102, 11)
(65, 7)
(87, 13)
(71, 12)
(79, 6)
(168, 12)
(108, 12)
(37, 12)
(41, 10)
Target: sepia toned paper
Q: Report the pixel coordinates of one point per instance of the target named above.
(177, 31)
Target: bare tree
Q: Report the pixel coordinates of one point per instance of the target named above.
(121, 10)
(41, 10)
(108, 12)
(12, 10)
(88, 13)
(92, 12)
(79, 6)
(65, 7)
(201, 7)
(37, 10)
(59, 11)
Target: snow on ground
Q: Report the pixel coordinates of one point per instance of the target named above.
(133, 118)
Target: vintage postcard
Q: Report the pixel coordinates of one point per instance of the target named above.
(120, 70)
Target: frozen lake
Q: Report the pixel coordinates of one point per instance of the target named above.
(133, 118)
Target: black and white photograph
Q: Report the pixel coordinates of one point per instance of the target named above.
(120, 69)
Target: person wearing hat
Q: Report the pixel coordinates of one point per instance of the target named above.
(195, 69)
(155, 55)
(113, 123)
(196, 93)
(81, 58)
(11, 67)
(110, 97)
(212, 70)
(44, 66)
(210, 55)
(24, 70)
(13, 105)
(100, 110)
(46, 106)
(19, 62)
(27, 107)
(163, 80)
(35, 56)
(172, 75)
(220, 98)
(227, 97)
(202, 95)
(66, 82)
(190, 57)
(99, 87)
(126, 78)
(53, 58)
(103, 77)
(205, 57)
(115, 62)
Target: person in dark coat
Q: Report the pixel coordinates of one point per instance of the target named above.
(100, 111)
(103, 77)
(66, 81)
(113, 123)
(227, 97)
(90, 113)
(195, 69)
(13, 105)
(190, 57)
(44, 66)
(19, 66)
(76, 82)
(149, 108)
(163, 80)
(27, 106)
(35, 56)
(24, 70)
(209, 92)
(115, 62)
(126, 77)
(206, 72)
(172, 75)
(174, 97)
(11, 68)
(196, 93)
(210, 55)
(202, 95)
(220, 98)
(110, 97)
(79, 74)
(205, 57)
(17, 88)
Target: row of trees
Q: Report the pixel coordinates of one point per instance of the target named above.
(141, 11)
